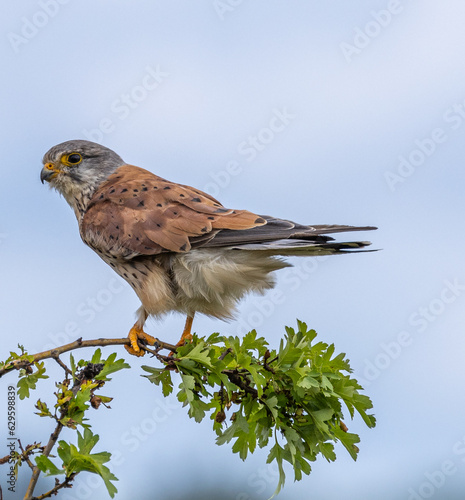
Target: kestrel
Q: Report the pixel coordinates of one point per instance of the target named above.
(179, 248)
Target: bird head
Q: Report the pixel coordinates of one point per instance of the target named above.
(76, 168)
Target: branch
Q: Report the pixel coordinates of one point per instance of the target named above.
(58, 360)
(26, 452)
(58, 486)
(77, 344)
(236, 379)
(36, 471)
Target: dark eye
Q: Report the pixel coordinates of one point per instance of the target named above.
(74, 158)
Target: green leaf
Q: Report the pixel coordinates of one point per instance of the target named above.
(295, 392)
(160, 376)
(199, 354)
(43, 409)
(28, 381)
(111, 365)
(348, 440)
(79, 460)
(307, 382)
(277, 453)
(47, 466)
(186, 394)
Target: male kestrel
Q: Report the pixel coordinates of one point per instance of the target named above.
(178, 247)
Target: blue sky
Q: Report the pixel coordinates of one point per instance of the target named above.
(369, 100)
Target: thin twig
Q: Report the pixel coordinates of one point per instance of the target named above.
(25, 454)
(58, 486)
(160, 357)
(268, 368)
(236, 379)
(58, 360)
(225, 353)
(36, 471)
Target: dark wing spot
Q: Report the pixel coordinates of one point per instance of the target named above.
(197, 200)
(124, 190)
(101, 196)
(141, 203)
(159, 205)
(211, 218)
(112, 191)
(135, 275)
(144, 189)
(203, 230)
(166, 187)
(136, 190)
(182, 248)
(182, 195)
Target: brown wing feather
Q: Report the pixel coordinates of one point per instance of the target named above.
(136, 212)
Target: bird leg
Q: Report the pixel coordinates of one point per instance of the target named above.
(186, 334)
(136, 333)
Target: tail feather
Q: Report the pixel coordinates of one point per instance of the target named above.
(284, 237)
(276, 230)
(290, 247)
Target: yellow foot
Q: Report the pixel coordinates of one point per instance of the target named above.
(186, 334)
(136, 333)
(183, 339)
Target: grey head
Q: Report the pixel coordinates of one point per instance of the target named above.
(76, 169)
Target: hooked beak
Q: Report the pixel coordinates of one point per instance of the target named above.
(49, 172)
